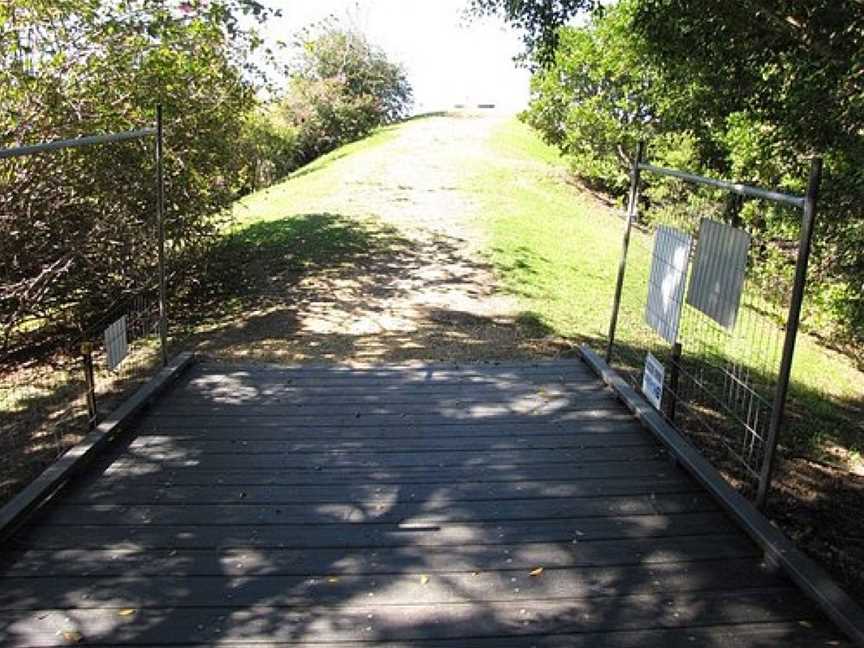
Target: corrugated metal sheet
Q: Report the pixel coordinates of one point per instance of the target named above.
(116, 343)
(718, 272)
(669, 263)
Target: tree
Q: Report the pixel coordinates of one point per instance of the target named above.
(341, 88)
(743, 90)
(538, 20)
(791, 71)
(76, 228)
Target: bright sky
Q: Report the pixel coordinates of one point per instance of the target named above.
(449, 60)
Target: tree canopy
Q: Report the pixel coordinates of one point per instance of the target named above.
(341, 87)
(538, 20)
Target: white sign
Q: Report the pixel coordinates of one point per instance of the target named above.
(652, 380)
(116, 344)
(718, 272)
(669, 263)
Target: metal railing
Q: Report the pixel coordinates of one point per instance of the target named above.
(694, 292)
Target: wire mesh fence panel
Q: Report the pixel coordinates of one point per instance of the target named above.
(125, 348)
(79, 299)
(707, 293)
(44, 411)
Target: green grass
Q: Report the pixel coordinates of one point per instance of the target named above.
(304, 189)
(559, 252)
(552, 246)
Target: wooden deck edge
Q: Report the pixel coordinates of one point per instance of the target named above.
(805, 573)
(53, 478)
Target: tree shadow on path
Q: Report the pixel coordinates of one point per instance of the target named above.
(331, 288)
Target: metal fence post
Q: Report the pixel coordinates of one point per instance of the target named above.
(792, 322)
(90, 382)
(632, 203)
(160, 216)
(674, 377)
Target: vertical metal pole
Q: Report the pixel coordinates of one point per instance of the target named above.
(90, 382)
(792, 322)
(160, 217)
(674, 376)
(632, 204)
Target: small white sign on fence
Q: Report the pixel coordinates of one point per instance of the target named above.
(719, 271)
(669, 263)
(116, 343)
(652, 380)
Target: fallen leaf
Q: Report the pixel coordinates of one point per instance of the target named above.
(536, 572)
(73, 636)
(127, 612)
(424, 579)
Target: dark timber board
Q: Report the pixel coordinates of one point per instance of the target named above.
(392, 506)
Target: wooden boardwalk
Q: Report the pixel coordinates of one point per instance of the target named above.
(489, 506)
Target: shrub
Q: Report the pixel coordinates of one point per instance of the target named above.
(77, 227)
(342, 88)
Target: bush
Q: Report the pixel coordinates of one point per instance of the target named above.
(341, 89)
(77, 227)
(269, 146)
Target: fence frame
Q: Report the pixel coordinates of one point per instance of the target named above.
(157, 133)
(808, 206)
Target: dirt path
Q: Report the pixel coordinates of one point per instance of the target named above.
(427, 295)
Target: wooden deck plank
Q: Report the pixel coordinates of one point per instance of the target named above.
(193, 461)
(555, 394)
(229, 392)
(361, 430)
(410, 512)
(359, 419)
(348, 535)
(266, 384)
(395, 555)
(417, 560)
(372, 495)
(274, 444)
(401, 395)
(389, 589)
(417, 622)
(132, 469)
(568, 367)
(756, 635)
(393, 506)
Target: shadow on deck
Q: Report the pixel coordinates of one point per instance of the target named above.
(483, 505)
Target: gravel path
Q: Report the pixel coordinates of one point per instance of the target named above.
(432, 297)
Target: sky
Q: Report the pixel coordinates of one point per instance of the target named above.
(449, 59)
